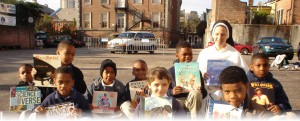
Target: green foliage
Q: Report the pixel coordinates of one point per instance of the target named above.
(44, 24)
(260, 17)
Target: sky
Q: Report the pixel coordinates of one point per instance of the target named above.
(189, 5)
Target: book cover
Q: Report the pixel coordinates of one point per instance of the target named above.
(104, 102)
(157, 107)
(262, 93)
(45, 66)
(137, 90)
(214, 69)
(222, 110)
(60, 112)
(187, 76)
(24, 98)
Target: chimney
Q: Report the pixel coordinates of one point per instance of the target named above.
(250, 2)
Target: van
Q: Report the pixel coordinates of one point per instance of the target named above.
(133, 42)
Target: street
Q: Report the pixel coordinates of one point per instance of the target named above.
(88, 60)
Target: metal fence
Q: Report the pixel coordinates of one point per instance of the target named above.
(130, 45)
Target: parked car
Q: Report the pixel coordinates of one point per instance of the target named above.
(77, 43)
(243, 49)
(42, 36)
(54, 40)
(133, 42)
(273, 46)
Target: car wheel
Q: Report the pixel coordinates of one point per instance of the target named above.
(151, 52)
(129, 52)
(244, 51)
(135, 52)
(112, 52)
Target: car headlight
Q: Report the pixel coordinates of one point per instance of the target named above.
(267, 47)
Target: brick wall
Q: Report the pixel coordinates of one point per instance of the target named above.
(230, 10)
(296, 13)
(286, 6)
(12, 37)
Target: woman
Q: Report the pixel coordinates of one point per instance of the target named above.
(222, 50)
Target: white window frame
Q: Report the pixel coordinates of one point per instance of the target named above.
(279, 16)
(107, 2)
(159, 17)
(90, 20)
(141, 2)
(107, 20)
(69, 1)
(153, 2)
(87, 2)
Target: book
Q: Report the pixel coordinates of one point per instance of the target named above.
(214, 69)
(262, 93)
(157, 107)
(45, 65)
(60, 111)
(24, 98)
(136, 91)
(222, 110)
(187, 75)
(104, 102)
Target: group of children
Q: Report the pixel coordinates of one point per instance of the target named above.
(70, 86)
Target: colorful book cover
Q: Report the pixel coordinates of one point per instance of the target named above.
(24, 98)
(262, 93)
(104, 102)
(45, 65)
(157, 107)
(187, 76)
(137, 90)
(60, 112)
(214, 69)
(221, 110)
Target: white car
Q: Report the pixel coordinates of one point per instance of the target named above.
(133, 42)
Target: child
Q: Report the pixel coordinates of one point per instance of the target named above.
(139, 71)
(107, 82)
(66, 52)
(26, 74)
(159, 80)
(64, 83)
(191, 100)
(234, 81)
(259, 71)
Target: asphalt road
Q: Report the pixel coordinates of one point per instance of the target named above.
(88, 60)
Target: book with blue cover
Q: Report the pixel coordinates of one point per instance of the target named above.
(157, 108)
(187, 76)
(24, 98)
(214, 69)
(104, 102)
(222, 110)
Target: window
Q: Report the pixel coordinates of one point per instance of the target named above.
(104, 1)
(156, 1)
(87, 20)
(87, 1)
(155, 20)
(104, 20)
(120, 20)
(138, 1)
(279, 16)
(70, 3)
(137, 18)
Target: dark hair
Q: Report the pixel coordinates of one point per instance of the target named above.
(63, 44)
(159, 73)
(233, 74)
(230, 39)
(259, 56)
(182, 44)
(64, 70)
(140, 61)
(25, 65)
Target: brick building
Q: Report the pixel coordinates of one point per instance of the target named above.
(285, 12)
(106, 18)
(234, 11)
(69, 11)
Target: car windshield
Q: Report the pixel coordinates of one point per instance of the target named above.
(126, 35)
(271, 40)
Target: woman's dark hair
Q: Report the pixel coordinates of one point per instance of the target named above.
(230, 39)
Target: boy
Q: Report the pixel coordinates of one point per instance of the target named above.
(259, 71)
(139, 71)
(26, 74)
(64, 83)
(234, 81)
(66, 52)
(107, 82)
(191, 100)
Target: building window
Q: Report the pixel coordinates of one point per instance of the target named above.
(279, 16)
(138, 1)
(104, 20)
(155, 20)
(120, 20)
(87, 20)
(87, 1)
(104, 1)
(137, 18)
(70, 3)
(156, 1)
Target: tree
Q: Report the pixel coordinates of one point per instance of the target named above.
(44, 24)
